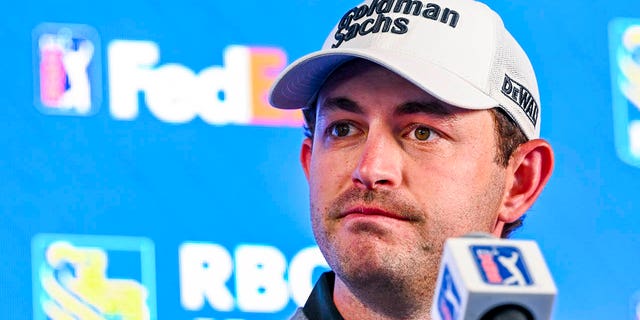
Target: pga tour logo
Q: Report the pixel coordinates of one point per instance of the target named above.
(448, 297)
(624, 37)
(67, 69)
(501, 265)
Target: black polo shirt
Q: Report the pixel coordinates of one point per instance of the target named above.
(320, 304)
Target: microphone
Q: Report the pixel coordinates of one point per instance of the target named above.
(485, 278)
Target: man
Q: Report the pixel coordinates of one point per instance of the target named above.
(423, 123)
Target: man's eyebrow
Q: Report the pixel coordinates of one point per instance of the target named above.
(412, 107)
(340, 103)
(432, 107)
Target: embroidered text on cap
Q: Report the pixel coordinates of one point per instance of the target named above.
(522, 97)
(383, 23)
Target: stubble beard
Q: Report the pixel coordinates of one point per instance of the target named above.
(381, 264)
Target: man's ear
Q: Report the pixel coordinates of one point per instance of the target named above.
(528, 171)
(305, 156)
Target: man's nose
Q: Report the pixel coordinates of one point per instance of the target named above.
(380, 164)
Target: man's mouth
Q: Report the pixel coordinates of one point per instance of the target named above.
(364, 211)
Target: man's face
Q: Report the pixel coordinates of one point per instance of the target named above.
(393, 172)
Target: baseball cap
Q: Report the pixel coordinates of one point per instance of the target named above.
(456, 50)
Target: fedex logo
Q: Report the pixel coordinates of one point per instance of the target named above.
(67, 69)
(74, 277)
(625, 73)
(501, 265)
(235, 92)
(448, 297)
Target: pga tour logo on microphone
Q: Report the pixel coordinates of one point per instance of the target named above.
(448, 297)
(501, 265)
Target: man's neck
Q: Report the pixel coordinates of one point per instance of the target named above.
(382, 301)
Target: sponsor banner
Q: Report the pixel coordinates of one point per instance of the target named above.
(635, 306)
(68, 80)
(114, 277)
(67, 69)
(624, 36)
(234, 93)
(93, 277)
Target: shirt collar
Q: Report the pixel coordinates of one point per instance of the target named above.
(320, 303)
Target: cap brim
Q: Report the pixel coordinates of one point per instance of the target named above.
(301, 80)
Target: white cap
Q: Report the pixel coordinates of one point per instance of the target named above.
(457, 50)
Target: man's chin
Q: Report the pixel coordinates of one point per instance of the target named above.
(366, 272)
(370, 251)
(365, 254)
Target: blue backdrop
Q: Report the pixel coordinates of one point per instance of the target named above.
(138, 157)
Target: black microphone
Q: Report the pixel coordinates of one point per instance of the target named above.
(485, 278)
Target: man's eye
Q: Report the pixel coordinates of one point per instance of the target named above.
(423, 133)
(341, 129)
